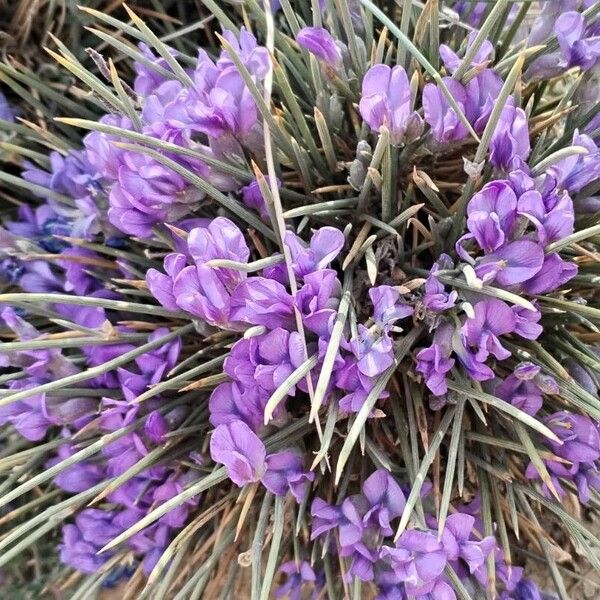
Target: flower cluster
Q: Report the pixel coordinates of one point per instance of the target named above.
(391, 335)
(37, 414)
(416, 563)
(208, 110)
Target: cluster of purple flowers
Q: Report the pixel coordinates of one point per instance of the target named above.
(77, 270)
(209, 111)
(216, 115)
(510, 223)
(416, 564)
(294, 316)
(386, 100)
(578, 454)
(227, 298)
(34, 417)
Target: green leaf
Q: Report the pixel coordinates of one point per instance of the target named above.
(332, 350)
(535, 458)
(257, 545)
(122, 305)
(427, 461)
(455, 441)
(504, 406)
(153, 40)
(273, 558)
(291, 380)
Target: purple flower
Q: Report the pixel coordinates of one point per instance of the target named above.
(579, 435)
(350, 379)
(71, 175)
(202, 290)
(262, 301)
(237, 447)
(225, 107)
(444, 122)
(152, 544)
(33, 416)
(491, 215)
(373, 350)
(6, 111)
(527, 590)
(80, 476)
(386, 500)
(434, 362)
(41, 225)
(577, 46)
(482, 92)
(554, 273)
(285, 471)
(232, 401)
(386, 101)
(457, 543)
(348, 518)
(363, 560)
(387, 308)
(148, 79)
(161, 285)
(484, 54)
(220, 239)
(123, 453)
(266, 360)
(93, 529)
(318, 41)
(255, 57)
(36, 363)
(575, 172)
(492, 318)
(146, 193)
(435, 298)
(515, 262)
(510, 141)
(168, 489)
(553, 216)
(318, 300)
(356, 533)
(324, 246)
(418, 560)
(151, 366)
(580, 439)
(156, 427)
(521, 389)
(470, 12)
(298, 578)
(586, 378)
(543, 26)
(252, 197)
(476, 369)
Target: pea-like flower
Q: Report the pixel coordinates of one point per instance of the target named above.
(386, 102)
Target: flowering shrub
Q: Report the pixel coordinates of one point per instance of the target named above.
(315, 296)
